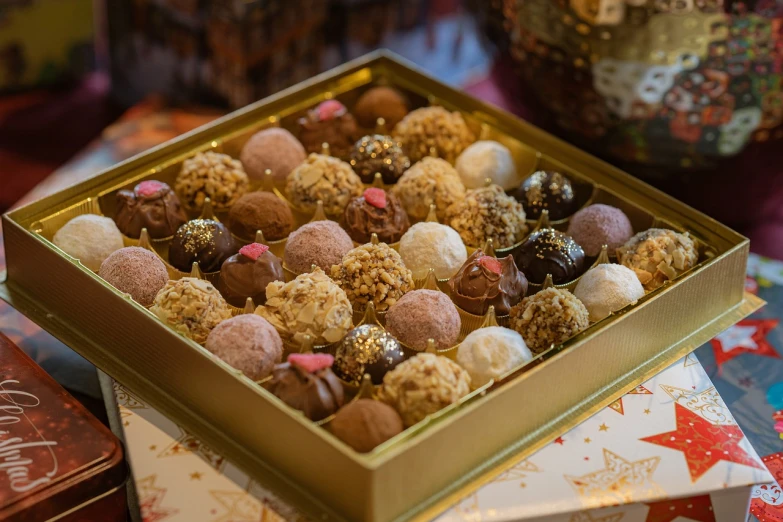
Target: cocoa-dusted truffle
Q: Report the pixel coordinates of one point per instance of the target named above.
(369, 349)
(151, 205)
(432, 245)
(320, 243)
(248, 273)
(549, 317)
(203, 241)
(548, 251)
(488, 213)
(211, 175)
(547, 190)
(598, 225)
(484, 281)
(89, 238)
(430, 181)
(275, 149)
(488, 353)
(323, 178)
(380, 102)
(330, 122)
(608, 288)
(192, 307)
(248, 343)
(487, 160)
(658, 255)
(378, 153)
(307, 383)
(135, 271)
(421, 315)
(433, 129)
(423, 385)
(376, 212)
(365, 424)
(262, 211)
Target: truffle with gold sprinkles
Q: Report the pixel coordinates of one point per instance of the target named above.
(547, 190)
(548, 251)
(379, 153)
(367, 349)
(204, 241)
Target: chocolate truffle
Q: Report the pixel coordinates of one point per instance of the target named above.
(548, 318)
(658, 255)
(433, 129)
(203, 241)
(380, 102)
(421, 315)
(488, 353)
(192, 307)
(275, 149)
(151, 205)
(547, 190)
(330, 122)
(484, 281)
(365, 424)
(323, 178)
(378, 153)
(423, 385)
(312, 304)
(89, 238)
(488, 213)
(370, 349)
(376, 212)
(547, 251)
(247, 274)
(432, 245)
(135, 271)
(262, 211)
(598, 225)
(320, 243)
(431, 181)
(211, 175)
(487, 160)
(608, 288)
(248, 343)
(307, 383)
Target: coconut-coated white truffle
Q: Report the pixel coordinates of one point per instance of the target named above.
(90, 239)
(608, 288)
(432, 245)
(487, 159)
(488, 353)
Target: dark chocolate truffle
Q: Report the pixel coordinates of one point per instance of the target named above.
(368, 348)
(484, 281)
(378, 153)
(376, 212)
(548, 251)
(262, 211)
(547, 190)
(151, 205)
(247, 273)
(380, 102)
(365, 424)
(204, 241)
(330, 123)
(307, 383)
(248, 343)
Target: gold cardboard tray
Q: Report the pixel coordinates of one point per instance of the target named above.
(427, 467)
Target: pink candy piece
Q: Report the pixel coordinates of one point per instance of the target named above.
(253, 250)
(311, 362)
(375, 197)
(330, 109)
(779, 426)
(778, 415)
(491, 264)
(149, 187)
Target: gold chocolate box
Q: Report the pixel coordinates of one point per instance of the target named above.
(418, 472)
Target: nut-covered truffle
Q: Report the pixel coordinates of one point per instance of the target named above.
(262, 211)
(369, 349)
(248, 273)
(430, 181)
(211, 175)
(89, 238)
(548, 251)
(487, 160)
(488, 353)
(658, 255)
(607, 288)
(423, 385)
(135, 271)
(203, 241)
(598, 225)
(192, 307)
(421, 315)
(549, 317)
(380, 102)
(151, 205)
(381, 213)
(547, 190)
(484, 281)
(378, 153)
(330, 122)
(320, 243)
(307, 383)
(248, 343)
(275, 149)
(488, 213)
(323, 178)
(432, 245)
(433, 129)
(365, 424)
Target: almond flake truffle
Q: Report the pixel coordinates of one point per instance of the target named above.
(248, 343)
(325, 178)
(307, 383)
(488, 353)
(423, 385)
(608, 288)
(190, 306)
(488, 213)
(549, 317)
(211, 175)
(320, 243)
(421, 315)
(430, 181)
(275, 149)
(598, 225)
(432, 245)
(658, 255)
(380, 102)
(378, 153)
(429, 128)
(262, 211)
(487, 160)
(329, 122)
(365, 424)
(90, 239)
(135, 271)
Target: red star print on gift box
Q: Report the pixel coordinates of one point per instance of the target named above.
(698, 509)
(702, 443)
(766, 502)
(748, 336)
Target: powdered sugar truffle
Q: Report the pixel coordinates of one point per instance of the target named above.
(608, 288)
(432, 245)
(90, 239)
(487, 159)
(488, 353)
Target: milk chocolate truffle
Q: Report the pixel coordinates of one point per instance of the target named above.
(211, 175)
(487, 160)
(307, 383)
(135, 271)
(423, 385)
(598, 225)
(151, 205)
(89, 238)
(421, 315)
(262, 211)
(548, 251)
(378, 153)
(607, 288)
(330, 122)
(365, 424)
(248, 273)
(484, 281)
(192, 307)
(433, 130)
(430, 181)
(658, 255)
(320, 243)
(432, 245)
(323, 178)
(275, 149)
(370, 349)
(376, 212)
(203, 241)
(488, 213)
(549, 317)
(248, 343)
(547, 190)
(488, 353)
(380, 102)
